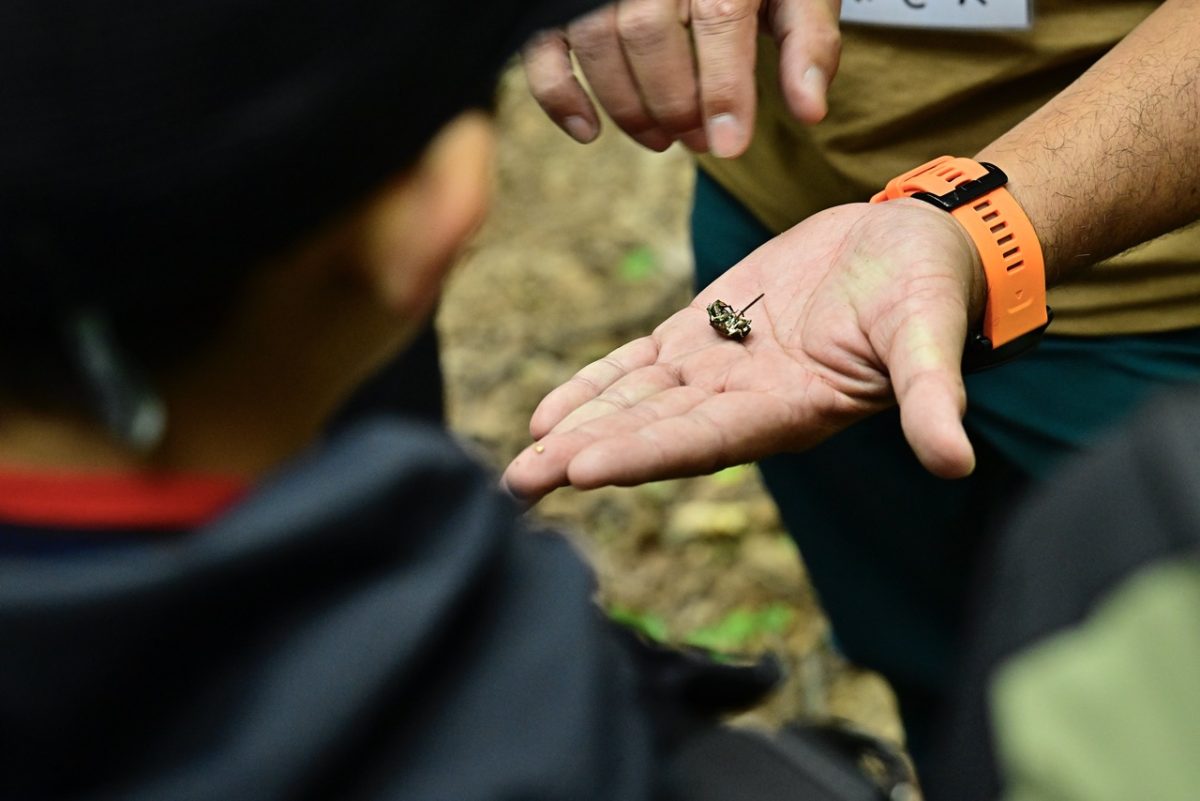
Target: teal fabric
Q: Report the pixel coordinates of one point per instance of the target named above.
(889, 547)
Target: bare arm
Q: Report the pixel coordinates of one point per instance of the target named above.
(1114, 160)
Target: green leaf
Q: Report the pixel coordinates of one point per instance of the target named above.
(732, 475)
(645, 623)
(740, 628)
(638, 265)
(776, 618)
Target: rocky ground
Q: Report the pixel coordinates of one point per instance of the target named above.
(587, 248)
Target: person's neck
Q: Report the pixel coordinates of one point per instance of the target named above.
(241, 429)
(36, 440)
(257, 395)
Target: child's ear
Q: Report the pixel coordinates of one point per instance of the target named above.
(413, 230)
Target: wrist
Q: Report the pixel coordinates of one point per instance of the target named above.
(974, 194)
(965, 256)
(1022, 185)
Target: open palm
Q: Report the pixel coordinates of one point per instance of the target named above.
(864, 306)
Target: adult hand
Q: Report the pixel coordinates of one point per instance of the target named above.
(864, 306)
(668, 70)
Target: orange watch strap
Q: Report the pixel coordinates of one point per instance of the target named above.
(1013, 265)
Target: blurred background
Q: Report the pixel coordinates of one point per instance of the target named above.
(587, 248)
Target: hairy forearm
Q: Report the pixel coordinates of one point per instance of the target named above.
(1114, 160)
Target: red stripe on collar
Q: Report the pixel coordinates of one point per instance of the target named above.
(114, 501)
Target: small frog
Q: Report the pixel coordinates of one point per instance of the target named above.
(729, 323)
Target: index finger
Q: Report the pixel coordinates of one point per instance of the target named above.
(721, 430)
(542, 467)
(725, 34)
(590, 382)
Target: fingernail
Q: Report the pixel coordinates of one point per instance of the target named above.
(580, 129)
(815, 84)
(724, 136)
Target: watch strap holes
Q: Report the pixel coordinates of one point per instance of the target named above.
(951, 175)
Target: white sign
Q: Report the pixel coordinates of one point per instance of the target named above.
(979, 15)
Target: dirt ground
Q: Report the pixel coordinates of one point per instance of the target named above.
(587, 248)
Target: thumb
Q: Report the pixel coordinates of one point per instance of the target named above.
(925, 365)
(810, 45)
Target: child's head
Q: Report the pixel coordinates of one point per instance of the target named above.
(251, 202)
